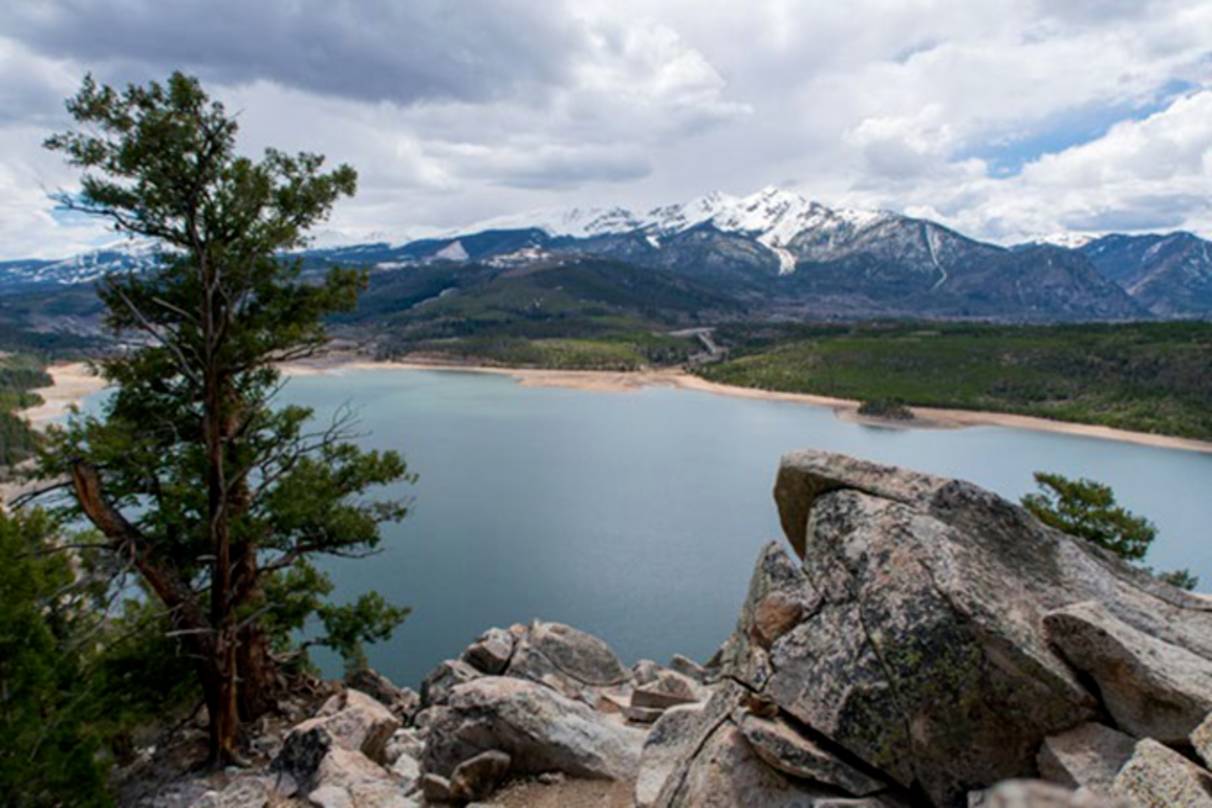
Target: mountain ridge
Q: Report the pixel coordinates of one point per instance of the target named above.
(791, 256)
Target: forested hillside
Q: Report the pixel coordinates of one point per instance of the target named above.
(1148, 377)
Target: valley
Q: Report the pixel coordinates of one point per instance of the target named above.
(791, 295)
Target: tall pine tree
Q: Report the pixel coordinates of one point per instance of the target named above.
(194, 477)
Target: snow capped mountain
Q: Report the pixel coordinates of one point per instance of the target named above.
(772, 217)
(118, 256)
(777, 245)
(1067, 239)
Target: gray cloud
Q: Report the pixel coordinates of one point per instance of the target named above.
(458, 110)
(377, 50)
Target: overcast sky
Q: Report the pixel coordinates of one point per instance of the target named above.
(1003, 119)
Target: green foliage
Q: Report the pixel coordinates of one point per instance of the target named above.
(47, 755)
(1150, 377)
(136, 676)
(1183, 578)
(348, 627)
(1087, 509)
(217, 496)
(298, 593)
(622, 351)
(890, 408)
(19, 373)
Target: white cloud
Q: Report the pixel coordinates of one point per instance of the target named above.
(459, 112)
(1149, 174)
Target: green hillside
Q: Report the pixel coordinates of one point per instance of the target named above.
(1148, 377)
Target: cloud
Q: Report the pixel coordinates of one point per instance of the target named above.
(1147, 174)
(547, 166)
(374, 50)
(1005, 119)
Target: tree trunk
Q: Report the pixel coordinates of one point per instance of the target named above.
(259, 684)
(219, 690)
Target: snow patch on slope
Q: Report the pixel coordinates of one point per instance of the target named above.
(454, 251)
(1066, 239)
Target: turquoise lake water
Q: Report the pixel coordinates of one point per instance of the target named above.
(637, 516)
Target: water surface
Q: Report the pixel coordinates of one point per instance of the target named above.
(637, 516)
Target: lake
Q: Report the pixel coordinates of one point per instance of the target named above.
(638, 515)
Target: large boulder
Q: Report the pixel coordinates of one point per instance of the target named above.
(1089, 755)
(351, 721)
(349, 779)
(910, 634)
(477, 777)
(1040, 794)
(1159, 777)
(577, 664)
(491, 651)
(402, 701)
(784, 748)
(669, 741)
(729, 752)
(436, 687)
(540, 729)
(726, 772)
(1201, 740)
(1151, 688)
(668, 688)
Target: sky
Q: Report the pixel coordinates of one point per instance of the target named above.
(1005, 120)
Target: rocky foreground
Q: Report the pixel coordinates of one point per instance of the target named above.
(925, 642)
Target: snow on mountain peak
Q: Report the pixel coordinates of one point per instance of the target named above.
(1065, 238)
(772, 215)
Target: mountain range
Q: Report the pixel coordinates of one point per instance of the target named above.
(770, 254)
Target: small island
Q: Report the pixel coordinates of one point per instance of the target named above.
(886, 409)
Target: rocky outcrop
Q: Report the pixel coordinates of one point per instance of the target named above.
(669, 741)
(928, 644)
(1039, 794)
(1151, 688)
(348, 779)
(479, 776)
(1201, 739)
(491, 651)
(442, 679)
(933, 639)
(403, 702)
(1158, 777)
(540, 729)
(572, 662)
(786, 749)
(1089, 756)
(349, 721)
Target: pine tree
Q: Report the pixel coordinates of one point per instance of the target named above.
(195, 477)
(47, 755)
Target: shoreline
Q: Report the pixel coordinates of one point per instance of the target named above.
(72, 382)
(844, 409)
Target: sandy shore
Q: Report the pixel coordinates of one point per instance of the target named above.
(72, 382)
(846, 409)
